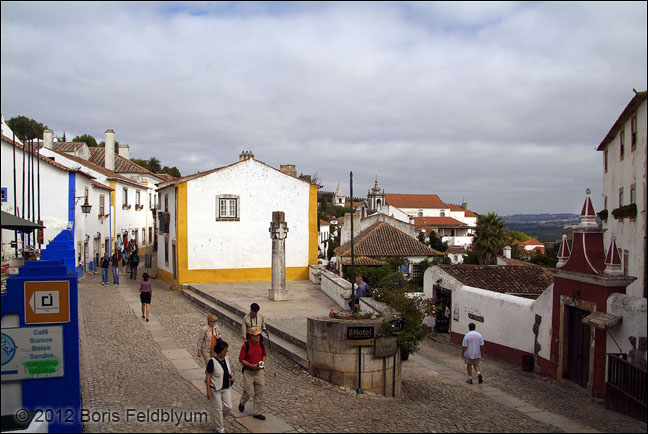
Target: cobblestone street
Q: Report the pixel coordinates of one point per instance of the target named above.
(123, 367)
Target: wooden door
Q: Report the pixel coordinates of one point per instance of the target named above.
(578, 347)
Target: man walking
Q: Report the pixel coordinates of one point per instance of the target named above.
(115, 267)
(471, 352)
(252, 357)
(253, 319)
(105, 264)
(361, 289)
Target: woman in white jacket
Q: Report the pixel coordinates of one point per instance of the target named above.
(209, 336)
(219, 380)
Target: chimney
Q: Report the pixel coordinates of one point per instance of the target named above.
(464, 205)
(48, 139)
(507, 252)
(246, 155)
(124, 151)
(109, 150)
(289, 169)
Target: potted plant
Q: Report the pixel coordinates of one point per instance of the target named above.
(625, 211)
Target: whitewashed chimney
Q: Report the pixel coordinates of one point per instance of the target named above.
(109, 150)
(507, 252)
(124, 151)
(48, 139)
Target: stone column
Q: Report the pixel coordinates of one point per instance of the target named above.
(278, 233)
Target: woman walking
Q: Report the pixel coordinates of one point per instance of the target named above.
(146, 290)
(208, 338)
(219, 378)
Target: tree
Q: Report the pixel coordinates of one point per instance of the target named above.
(26, 128)
(143, 163)
(490, 238)
(87, 138)
(436, 244)
(154, 165)
(173, 171)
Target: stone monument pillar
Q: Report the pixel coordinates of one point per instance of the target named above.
(278, 233)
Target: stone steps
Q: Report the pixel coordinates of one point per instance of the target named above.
(280, 341)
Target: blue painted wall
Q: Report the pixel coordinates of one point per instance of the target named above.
(51, 393)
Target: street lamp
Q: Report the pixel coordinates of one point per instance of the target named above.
(85, 208)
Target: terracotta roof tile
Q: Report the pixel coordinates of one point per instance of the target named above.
(505, 279)
(415, 201)
(382, 239)
(67, 146)
(446, 222)
(89, 164)
(366, 262)
(41, 156)
(122, 165)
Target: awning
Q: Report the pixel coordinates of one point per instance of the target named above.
(15, 223)
(601, 320)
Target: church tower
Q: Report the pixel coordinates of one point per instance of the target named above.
(376, 197)
(339, 199)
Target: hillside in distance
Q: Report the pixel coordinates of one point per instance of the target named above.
(544, 227)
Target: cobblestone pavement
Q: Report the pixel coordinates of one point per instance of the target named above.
(539, 391)
(122, 368)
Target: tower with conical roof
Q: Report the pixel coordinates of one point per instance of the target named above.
(339, 199)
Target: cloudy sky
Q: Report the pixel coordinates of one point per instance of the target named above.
(501, 105)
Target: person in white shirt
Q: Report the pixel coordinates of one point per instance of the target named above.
(471, 352)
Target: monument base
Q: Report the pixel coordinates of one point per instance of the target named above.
(278, 294)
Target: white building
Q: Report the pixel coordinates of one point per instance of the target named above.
(624, 185)
(214, 226)
(60, 191)
(324, 235)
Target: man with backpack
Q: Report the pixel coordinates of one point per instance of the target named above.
(252, 357)
(134, 260)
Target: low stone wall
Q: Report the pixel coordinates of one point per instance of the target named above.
(314, 274)
(333, 360)
(338, 289)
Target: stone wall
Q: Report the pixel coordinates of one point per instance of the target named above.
(337, 288)
(333, 360)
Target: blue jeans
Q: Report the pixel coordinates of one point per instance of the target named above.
(104, 275)
(115, 274)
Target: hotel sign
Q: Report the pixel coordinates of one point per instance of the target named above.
(360, 336)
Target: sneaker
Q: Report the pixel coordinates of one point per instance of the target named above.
(143, 317)
(480, 379)
(147, 320)
(241, 407)
(469, 381)
(259, 416)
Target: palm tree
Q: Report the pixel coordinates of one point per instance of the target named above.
(154, 165)
(490, 238)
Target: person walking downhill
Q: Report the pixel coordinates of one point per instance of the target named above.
(105, 264)
(253, 319)
(471, 352)
(252, 357)
(146, 291)
(115, 267)
(209, 336)
(134, 260)
(219, 379)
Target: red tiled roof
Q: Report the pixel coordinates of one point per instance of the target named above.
(122, 165)
(446, 222)
(505, 279)
(89, 164)
(67, 146)
(366, 262)
(100, 185)
(415, 201)
(529, 242)
(382, 239)
(630, 109)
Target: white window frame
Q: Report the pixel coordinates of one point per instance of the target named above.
(228, 207)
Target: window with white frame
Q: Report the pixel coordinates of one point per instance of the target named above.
(227, 207)
(125, 196)
(102, 204)
(137, 198)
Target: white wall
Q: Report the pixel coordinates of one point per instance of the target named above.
(171, 236)
(54, 188)
(624, 173)
(246, 243)
(508, 319)
(633, 310)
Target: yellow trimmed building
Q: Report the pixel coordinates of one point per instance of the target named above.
(213, 226)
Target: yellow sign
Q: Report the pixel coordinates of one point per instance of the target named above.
(47, 302)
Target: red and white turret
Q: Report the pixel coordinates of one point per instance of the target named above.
(613, 265)
(563, 252)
